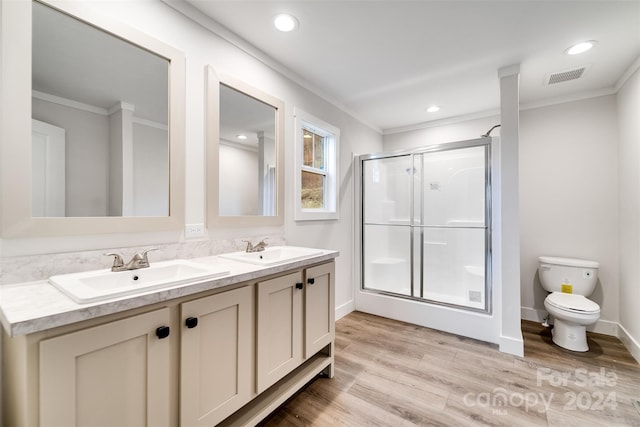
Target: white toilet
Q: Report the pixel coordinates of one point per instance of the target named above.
(570, 281)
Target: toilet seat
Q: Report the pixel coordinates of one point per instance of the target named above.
(573, 303)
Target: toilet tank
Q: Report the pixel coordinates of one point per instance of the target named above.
(577, 276)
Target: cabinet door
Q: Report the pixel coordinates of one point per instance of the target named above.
(216, 359)
(115, 374)
(319, 308)
(278, 328)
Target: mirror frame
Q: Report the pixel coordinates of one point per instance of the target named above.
(15, 128)
(212, 125)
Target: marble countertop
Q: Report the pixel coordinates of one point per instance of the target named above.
(37, 306)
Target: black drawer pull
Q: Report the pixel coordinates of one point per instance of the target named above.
(299, 285)
(311, 280)
(163, 332)
(191, 322)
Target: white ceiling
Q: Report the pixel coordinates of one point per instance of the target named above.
(387, 61)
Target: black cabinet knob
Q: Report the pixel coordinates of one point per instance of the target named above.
(299, 285)
(163, 332)
(191, 322)
(311, 280)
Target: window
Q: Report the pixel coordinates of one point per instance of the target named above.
(316, 168)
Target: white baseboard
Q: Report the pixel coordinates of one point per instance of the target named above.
(512, 346)
(605, 327)
(532, 314)
(632, 345)
(345, 309)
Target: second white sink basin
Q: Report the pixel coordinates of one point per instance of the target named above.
(99, 285)
(273, 255)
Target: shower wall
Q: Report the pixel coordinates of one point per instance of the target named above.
(424, 226)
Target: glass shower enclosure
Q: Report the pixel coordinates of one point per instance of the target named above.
(426, 224)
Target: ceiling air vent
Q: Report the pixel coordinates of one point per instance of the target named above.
(565, 76)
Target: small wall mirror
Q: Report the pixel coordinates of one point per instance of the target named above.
(98, 127)
(244, 167)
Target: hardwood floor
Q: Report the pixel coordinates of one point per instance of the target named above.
(389, 373)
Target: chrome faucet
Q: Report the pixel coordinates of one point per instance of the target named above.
(139, 260)
(259, 247)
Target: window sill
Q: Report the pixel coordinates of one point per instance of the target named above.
(316, 216)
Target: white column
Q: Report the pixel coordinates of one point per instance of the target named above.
(261, 172)
(121, 159)
(510, 333)
(266, 184)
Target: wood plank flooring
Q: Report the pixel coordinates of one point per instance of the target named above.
(389, 373)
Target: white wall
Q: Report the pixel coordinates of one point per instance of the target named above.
(87, 159)
(569, 196)
(150, 168)
(438, 134)
(629, 175)
(239, 180)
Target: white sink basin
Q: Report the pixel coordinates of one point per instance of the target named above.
(98, 285)
(273, 255)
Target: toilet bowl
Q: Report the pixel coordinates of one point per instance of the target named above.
(572, 314)
(569, 282)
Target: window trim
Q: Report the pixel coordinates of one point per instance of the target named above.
(302, 120)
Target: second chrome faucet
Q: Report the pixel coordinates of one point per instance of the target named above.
(139, 260)
(258, 247)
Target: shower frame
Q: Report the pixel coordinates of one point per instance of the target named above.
(485, 142)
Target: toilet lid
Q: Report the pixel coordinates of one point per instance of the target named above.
(572, 302)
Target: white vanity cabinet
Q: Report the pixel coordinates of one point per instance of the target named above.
(216, 359)
(226, 356)
(114, 374)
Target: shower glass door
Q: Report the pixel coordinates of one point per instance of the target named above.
(425, 227)
(388, 184)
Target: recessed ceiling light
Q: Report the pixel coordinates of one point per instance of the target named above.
(285, 22)
(580, 47)
(241, 136)
(433, 109)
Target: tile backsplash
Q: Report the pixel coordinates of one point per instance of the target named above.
(28, 268)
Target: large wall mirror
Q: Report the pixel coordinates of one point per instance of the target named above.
(244, 154)
(96, 124)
